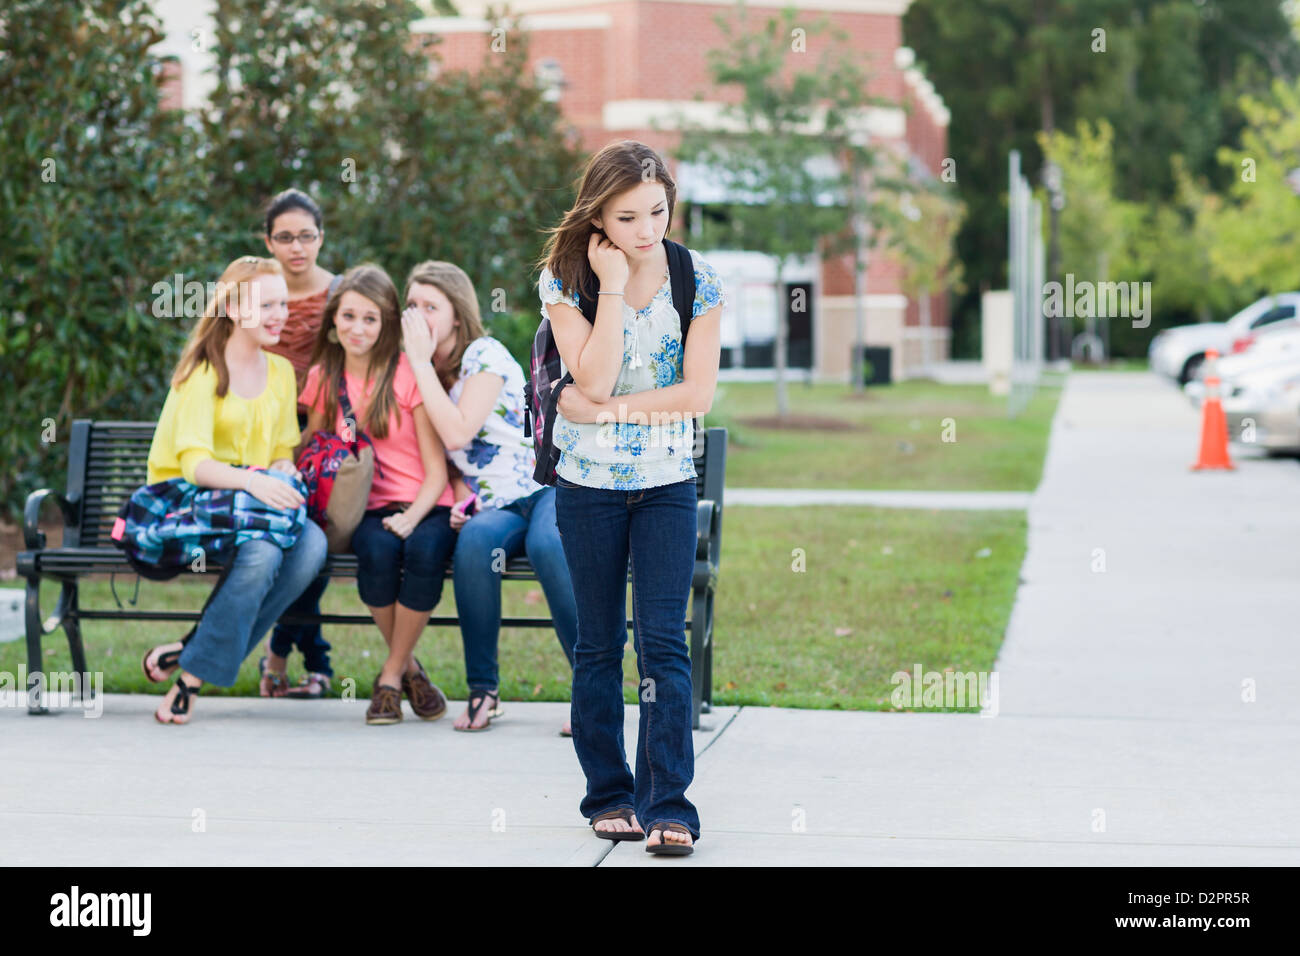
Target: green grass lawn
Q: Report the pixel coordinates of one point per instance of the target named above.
(883, 590)
(894, 438)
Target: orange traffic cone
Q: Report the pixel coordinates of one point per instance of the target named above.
(1214, 424)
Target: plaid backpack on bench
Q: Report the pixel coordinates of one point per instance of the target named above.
(542, 393)
(165, 527)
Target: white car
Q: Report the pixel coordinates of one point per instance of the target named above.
(1179, 352)
(1263, 409)
(1273, 346)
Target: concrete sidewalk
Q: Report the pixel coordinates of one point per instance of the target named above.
(1121, 735)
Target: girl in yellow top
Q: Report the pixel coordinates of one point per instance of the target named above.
(232, 403)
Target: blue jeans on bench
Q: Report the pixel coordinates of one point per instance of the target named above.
(262, 582)
(523, 526)
(601, 530)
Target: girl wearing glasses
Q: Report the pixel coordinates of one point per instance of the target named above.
(294, 234)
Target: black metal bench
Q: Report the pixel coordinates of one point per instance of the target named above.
(107, 462)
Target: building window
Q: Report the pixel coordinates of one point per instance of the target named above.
(550, 77)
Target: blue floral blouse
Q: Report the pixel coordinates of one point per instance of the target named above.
(626, 456)
(498, 462)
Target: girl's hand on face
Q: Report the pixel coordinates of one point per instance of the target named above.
(416, 338)
(577, 408)
(400, 524)
(608, 262)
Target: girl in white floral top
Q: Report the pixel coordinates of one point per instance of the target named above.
(625, 488)
(473, 391)
(629, 454)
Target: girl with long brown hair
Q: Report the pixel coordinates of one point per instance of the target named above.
(405, 540)
(625, 490)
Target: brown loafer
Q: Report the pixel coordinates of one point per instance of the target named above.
(426, 699)
(385, 704)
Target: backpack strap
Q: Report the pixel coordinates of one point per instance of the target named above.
(346, 407)
(681, 271)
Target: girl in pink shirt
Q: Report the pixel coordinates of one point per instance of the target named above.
(405, 540)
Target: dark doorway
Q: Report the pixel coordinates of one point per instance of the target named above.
(799, 306)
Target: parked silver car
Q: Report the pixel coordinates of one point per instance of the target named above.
(1263, 409)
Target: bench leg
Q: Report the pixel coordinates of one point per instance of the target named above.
(35, 630)
(707, 703)
(77, 650)
(699, 602)
(65, 615)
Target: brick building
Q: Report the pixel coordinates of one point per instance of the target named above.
(624, 69)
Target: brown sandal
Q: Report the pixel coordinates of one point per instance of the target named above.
(664, 848)
(624, 814)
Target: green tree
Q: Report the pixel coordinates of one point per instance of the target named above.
(96, 205)
(1257, 229)
(1168, 81)
(1095, 225)
(926, 226)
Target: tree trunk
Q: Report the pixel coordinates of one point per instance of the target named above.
(925, 328)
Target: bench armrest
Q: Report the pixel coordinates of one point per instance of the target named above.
(33, 536)
(705, 515)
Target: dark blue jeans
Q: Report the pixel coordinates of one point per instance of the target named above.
(306, 637)
(601, 531)
(523, 526)
(406, 571)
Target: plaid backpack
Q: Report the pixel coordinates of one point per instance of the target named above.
(166, 527)
(542, 392)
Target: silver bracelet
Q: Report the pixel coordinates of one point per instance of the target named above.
(609, 293)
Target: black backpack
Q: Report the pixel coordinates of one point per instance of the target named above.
(542, 392)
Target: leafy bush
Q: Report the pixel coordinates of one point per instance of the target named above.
(98, 201)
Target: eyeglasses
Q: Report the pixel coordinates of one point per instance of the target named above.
(307, 237)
